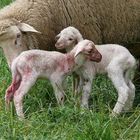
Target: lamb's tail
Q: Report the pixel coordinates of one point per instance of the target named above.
(130, 72)
(16, 80)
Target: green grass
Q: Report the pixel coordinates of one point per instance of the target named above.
(46, 121)
(4, 2)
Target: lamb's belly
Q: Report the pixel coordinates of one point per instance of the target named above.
(101, 69)
(45, 74)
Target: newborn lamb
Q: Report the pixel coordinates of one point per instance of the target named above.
(116, 61)
(55, 66)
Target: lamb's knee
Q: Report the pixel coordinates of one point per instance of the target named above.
(123, 93)
(60, 98)
(86, 93)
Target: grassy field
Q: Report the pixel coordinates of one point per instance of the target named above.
(46, 121)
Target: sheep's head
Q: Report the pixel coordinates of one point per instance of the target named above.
(11, 33)
(88, 49)
(68, 38)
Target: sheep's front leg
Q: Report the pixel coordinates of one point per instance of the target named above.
(57, 83)
(26, 83)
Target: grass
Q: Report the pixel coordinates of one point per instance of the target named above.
(45, 120)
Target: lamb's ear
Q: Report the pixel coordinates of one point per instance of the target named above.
(79, 50)
(57, 37)
(27, 28)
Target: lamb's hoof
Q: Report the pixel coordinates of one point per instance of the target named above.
(114, 114)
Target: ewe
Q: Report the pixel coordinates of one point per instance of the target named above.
(116, 61)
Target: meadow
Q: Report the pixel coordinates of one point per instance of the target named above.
(45, 120)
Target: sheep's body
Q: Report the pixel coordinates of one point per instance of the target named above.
(102, 22)
(116, 61)
(33, 64)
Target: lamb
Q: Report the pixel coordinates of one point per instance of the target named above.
(116, 61)
(52, 65)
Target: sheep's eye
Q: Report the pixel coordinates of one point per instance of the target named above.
(70, 39)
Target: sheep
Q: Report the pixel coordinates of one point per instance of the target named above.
(116, 61)
(52, 65)
(97, 20)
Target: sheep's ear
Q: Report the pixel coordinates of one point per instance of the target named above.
(27, 28)
(79, 50)
(2, 33)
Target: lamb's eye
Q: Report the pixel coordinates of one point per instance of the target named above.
(70, 39)
(57, 37)
(90, 51)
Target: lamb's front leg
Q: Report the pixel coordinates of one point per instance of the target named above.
(79, 84)
(87, 86)
(57, 83)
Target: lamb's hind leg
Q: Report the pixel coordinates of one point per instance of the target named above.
(131, 90)
(11, 90)
(26, 83)
(123, 90)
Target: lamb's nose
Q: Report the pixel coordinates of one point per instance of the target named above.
(59, 45)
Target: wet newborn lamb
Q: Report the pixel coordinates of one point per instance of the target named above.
(116, 61)
(32, 64)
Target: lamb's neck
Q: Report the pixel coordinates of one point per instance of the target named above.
(69, 49)
(73, 61)
(70, 60)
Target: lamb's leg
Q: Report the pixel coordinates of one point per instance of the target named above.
(129, 76)
(57, 84)
(26, 83)
(76, 83)
(131, 95)
(12, 89)
(131, 92)
(87, 86)
(122, 88)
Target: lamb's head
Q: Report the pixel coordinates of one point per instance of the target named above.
(11, 32)
(86, 50)
(68, 38)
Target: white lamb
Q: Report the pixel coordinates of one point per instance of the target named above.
(30, 65)
(116, 61)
